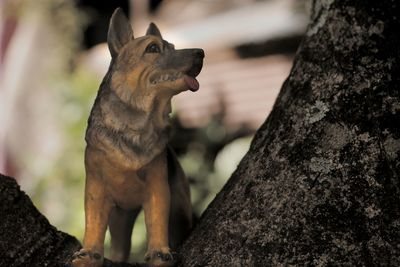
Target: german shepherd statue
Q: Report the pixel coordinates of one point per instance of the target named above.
(129, 165)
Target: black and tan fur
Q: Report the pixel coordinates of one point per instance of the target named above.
(129, 165)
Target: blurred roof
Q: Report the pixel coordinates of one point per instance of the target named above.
(247, 22)
(244, 90)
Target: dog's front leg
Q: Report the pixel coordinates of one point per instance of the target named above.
(97, 211)
(156, 210)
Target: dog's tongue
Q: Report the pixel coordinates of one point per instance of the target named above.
(192, 83)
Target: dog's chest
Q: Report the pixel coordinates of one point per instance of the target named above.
(125, 150)
(128, 189)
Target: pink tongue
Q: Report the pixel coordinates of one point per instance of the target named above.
(192, 83)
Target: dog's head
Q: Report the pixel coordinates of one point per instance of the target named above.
(149, 65)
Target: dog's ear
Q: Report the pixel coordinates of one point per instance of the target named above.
(153, 30)
(119, 32)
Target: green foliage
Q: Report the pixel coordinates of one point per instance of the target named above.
(209, 160)
(64, 184)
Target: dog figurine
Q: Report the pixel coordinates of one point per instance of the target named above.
(129, 165)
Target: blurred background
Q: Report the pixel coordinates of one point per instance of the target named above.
(52, 59)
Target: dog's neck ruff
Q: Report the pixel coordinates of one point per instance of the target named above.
(138, 136)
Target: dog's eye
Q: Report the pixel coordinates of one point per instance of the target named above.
(153, 48)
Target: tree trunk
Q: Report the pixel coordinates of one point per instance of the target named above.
(320, 184)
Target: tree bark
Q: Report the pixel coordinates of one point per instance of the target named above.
(320, 184)
(26, 237)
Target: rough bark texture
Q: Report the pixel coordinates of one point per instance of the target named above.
(26, 237)
(320, 184)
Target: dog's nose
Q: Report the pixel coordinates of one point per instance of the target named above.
(199, 52)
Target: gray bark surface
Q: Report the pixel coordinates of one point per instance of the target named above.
(320, 184)
(26, 237)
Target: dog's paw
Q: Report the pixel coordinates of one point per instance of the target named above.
(87, 258)
(162, 257)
